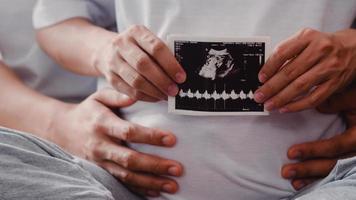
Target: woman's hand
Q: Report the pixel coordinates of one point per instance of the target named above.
(139, 64)
(92, 131)
(306, 69)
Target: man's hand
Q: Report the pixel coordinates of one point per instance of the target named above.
(317, 159)
(139, 64)
(306, 69)
(92, 131)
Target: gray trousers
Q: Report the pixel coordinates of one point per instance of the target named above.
(339, 184)
(31, 168)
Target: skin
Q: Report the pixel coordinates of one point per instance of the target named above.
(135, 61)
(92, 131)
(306, 69)
(316, 159)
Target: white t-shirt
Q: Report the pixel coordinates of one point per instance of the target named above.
(22, 54)
(230, 157)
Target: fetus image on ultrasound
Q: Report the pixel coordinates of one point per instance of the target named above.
(219, 64)
(221, 77)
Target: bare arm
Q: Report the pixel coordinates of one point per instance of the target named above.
(74, 44)
(134, 61)
(90, 130)
(22, 108)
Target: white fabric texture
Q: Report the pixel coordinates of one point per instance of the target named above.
(232, 157)
(22, 54)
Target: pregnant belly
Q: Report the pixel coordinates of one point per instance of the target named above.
(232, 157)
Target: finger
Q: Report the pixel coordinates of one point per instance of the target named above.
(111, 97)
(301, 85)
(119, 84)
(313, 99)
(291, 71)
(156, 48)
(144, 192)
(135, 133)
(351, 118)
(139, 162)
(308, 169)
(135, 80)
(285, 51)
(340, 102)
(141, 180)
(145, 66)
(301, 183)
(327, 148)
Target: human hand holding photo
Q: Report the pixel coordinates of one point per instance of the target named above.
(306, 69)
(101, 135)
(139, 64)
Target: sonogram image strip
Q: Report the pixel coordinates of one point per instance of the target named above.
(224, 95)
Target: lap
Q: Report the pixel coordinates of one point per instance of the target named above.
(340, 184)
(35, 169)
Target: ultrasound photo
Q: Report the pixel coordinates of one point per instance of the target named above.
(222, 75)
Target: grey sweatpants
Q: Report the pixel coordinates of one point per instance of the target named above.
(339, 184)
(31, 168)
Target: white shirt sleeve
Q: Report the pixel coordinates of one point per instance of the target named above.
(49, 12)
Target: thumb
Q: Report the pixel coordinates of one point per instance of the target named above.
(339, 102)
(112, 98)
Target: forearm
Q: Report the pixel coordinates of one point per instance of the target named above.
(74, 44)
(24, 109)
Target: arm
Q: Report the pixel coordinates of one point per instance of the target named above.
(92, 131)
(77, 49)
(135, 61)
(24, 109)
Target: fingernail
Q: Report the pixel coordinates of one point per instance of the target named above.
(168, 140)
(173, 90)
(283, 110)
(291, 174)
(153, 193)
(180, 77)
(296, 154)
(262, 77)
(269, 105)
(174, 171)
(259, 97)
(168, 188)
(300, 185)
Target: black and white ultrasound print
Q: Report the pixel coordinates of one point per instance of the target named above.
(222, 75)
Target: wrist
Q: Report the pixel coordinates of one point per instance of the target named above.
(348, 40)
(97, 59)
(56, 125)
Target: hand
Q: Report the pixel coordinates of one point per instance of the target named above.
(317, 159)
(92, 131)
(306, 69)
(342, 102)
(139, 64)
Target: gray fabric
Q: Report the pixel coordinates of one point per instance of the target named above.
(339, 184)
(31, 168)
